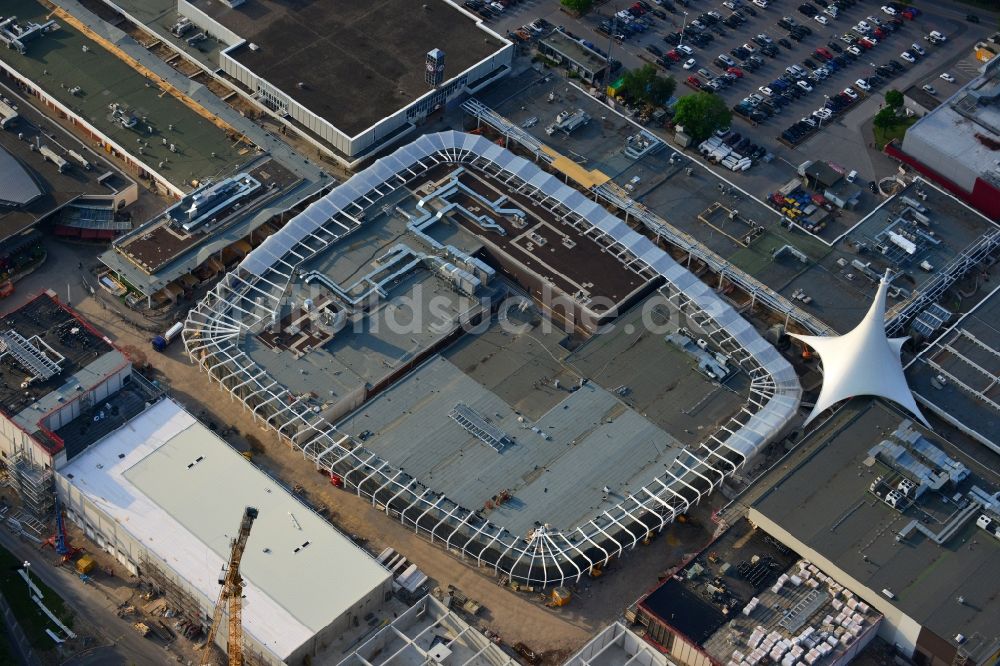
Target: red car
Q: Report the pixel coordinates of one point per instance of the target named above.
(735, 71)
(867, 43)
(824, 53)
(673, 55)
(694, 82)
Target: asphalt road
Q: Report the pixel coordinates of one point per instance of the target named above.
(122, 644)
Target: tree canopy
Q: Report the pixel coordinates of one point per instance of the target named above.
(701, 114)
(885, 118)
(578, 6)
(646, 85)
(894, 98)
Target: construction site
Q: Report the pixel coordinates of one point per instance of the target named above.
(525, 378)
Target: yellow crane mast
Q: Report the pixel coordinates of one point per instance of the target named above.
(231, 594)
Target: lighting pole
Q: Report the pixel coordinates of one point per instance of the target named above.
(683, 27)
(27, 574)
(611, 42)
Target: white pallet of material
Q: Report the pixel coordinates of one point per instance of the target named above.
(811, 657)
(837, 604)
(795, 580)
(738, 656)
(863, 607)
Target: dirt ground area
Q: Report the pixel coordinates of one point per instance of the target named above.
(516, 617)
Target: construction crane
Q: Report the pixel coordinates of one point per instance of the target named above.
(232, 594)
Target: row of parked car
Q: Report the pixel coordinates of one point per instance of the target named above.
(486, 9)
(836, 104)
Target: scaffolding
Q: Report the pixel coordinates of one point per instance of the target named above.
(35, 487)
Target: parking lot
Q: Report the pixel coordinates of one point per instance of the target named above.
(844, 138)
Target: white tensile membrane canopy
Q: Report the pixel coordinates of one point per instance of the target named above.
(863, 361)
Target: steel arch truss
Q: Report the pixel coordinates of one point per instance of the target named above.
(249, 299)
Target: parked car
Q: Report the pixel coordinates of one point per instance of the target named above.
(947, 77)
(907, 56)
(689, 63)
(928, 88)
(804, 85)
(863, 85)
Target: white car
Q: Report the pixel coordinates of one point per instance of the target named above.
(831, 11)
(861, 83)
(685, 49)
(804, 85)
(938, 36)
(767, 91)
(916, 47)
(808, 121)
(822, 114)
(948, 77)
(889, 10)
(863, 26)
(497, 6)
(822, 20)
(928, 88)
(729, 4)
(690, 63)
(907, 56)
(761, 3)
(854, 50)
(850, 93)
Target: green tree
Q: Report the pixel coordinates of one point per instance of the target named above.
(701, 114)
(885, 118)
(646, 85)
(578, 6)
(894, 98)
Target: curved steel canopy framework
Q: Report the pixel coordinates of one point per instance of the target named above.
(863, 361)
(248, 299)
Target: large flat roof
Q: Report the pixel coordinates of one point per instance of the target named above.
(967, 355)
(555, 466)
(964, 130)
(82, 354)
(359, 60)
(52, 189)
(156, 476)
(824, 503)
(65, 60)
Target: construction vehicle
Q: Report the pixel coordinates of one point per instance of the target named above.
(231, 594)
(560, 596)
(59, 541)
(85, 564)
